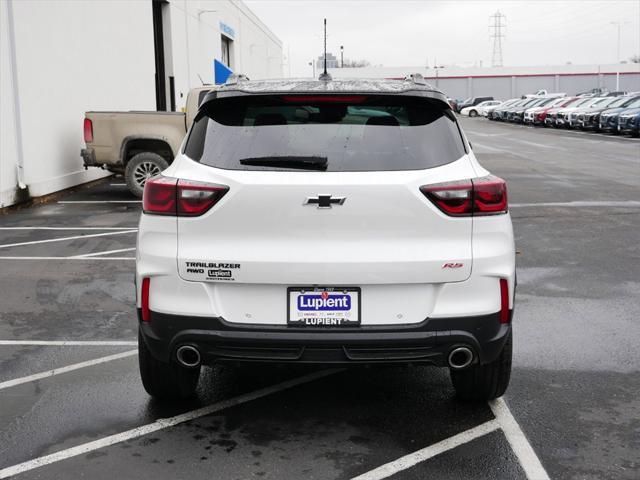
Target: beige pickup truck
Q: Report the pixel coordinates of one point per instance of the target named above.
(137, 144)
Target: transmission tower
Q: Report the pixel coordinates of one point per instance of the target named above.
(497, 27)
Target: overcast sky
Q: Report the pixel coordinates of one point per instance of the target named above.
(412, 33)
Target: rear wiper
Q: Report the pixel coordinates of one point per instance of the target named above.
(303, 163)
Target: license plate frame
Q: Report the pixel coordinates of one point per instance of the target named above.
(310, 318)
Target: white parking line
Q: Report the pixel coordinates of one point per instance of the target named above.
(70, 343)
(68, 368)
(431, 451)
(99, 201)
(50, 240)
(504, 421)
(67, 258)
(515, 436)
(68, 228)
(623, 204)
(160, 424)
(106, 252)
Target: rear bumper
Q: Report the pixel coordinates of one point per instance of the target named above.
(428, 342)
(89, 157)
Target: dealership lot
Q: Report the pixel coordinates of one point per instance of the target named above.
(575, 390)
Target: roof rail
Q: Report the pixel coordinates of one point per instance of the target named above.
(236, 78)
(416, 78)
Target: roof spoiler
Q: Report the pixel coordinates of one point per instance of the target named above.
(236, 78)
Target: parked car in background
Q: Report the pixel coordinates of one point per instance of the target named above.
(572, 117)
(479, 109)
(470, 102)
(561, 117)
(495, 113)
(552, 114)
(589, 119)
(609, 117)
(540, 114)
(629, 121)
(137, 144)
(529, 114)
(516, 113)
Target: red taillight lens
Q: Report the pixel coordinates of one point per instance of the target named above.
(489, 195)
(159, 196)
(144, 300)
(88, 131)
(480, 196)
(195, 198)
(182, 198)
(453, 198)
(504, 301)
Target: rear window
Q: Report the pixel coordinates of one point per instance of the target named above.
(349, 132)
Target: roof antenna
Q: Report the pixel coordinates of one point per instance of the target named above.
(201, 80)
(324, 76)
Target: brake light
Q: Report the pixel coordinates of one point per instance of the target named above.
(159, 196)
(324, 98)
(88, 131)
(504, 301)
(144, 300)
(182, 198)
(477, 197)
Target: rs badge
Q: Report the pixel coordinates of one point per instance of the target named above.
(453, 265)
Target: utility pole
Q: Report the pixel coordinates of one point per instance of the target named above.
(341, 56)
(619, 25)
(497, 22)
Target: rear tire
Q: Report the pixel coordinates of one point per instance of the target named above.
(165, 381)
(473, 113)
(485, 382)
(141, 167)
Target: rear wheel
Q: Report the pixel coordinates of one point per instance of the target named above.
(485, 382)
(142, 167)
(473, 113)
(165, 381)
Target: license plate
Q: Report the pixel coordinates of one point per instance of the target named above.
(323, 306)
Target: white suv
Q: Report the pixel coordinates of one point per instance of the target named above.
(325, 222)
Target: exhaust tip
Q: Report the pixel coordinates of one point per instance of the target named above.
(188, 356)
(460, 357)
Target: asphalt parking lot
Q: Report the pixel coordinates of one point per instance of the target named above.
(72, 406)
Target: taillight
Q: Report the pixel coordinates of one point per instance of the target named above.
(195, 198)
(159, 196)
(88, 131)
(477, 197)
(489, 196)
(504, 301)
(144, 299)
(182, 198)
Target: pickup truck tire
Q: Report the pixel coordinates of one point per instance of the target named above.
(142, 166)
(485, 382)
(165, 381)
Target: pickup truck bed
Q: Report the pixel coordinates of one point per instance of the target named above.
(137, 144)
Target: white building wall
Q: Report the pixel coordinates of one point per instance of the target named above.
(73, 56)
(8, 147)
(196, 42)
(507, 82)
(70, 56)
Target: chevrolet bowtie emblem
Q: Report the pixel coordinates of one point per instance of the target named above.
(325, 201)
